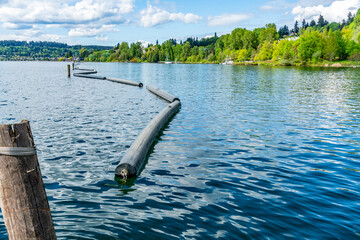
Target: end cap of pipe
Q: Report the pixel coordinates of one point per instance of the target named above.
(141, 85)
(123, 168)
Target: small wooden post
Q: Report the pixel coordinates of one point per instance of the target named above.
(68, 70)
(73, 65)
(24, 204)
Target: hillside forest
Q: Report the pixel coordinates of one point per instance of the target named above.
(306, 42)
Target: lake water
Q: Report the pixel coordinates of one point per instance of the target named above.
(254, 152)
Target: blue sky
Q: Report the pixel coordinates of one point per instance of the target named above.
(108, 22)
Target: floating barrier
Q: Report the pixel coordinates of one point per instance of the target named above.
(162, 94)
(88, 76)
(88, 72)
(128, 82)
(85, 69)
(134, 158)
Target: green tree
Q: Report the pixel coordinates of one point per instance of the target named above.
(321, 21)
(312, 23)
(83, 53)
(202, 53)
(265, 51)
(185, 51)
(178, 51)
(104, 56)
(269, 34)
(236, 38)
(311, 44)
(195, 51)
(304, 24)
(350, 18)
(242, 55)
(135, 50)
(296, 27)
(249, 40)
(284, 31)
(352, 48)
(68, 54)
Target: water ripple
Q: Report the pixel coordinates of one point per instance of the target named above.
(255, 152)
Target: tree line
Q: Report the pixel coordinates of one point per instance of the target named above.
(41, 50)
(306, 43)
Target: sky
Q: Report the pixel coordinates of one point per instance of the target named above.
(108, 22)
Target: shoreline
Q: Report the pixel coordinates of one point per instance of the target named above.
(324, 64)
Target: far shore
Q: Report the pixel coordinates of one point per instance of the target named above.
(325, 64)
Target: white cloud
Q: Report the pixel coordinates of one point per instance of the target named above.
(152, 16)
(227, 19)
(8, 25)
(85, 31)
(60, 12)
(52, 37)
(101, 38)
(33, 34)
(335, 12)
(14, 26)
(82, 18)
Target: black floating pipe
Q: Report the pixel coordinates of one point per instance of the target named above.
(162, 94)
(85, 69)
(128, 82)
(91, 72)
(134, 157)
(88, 76)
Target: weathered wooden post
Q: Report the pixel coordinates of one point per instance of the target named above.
(73, 65)
(68, 70)
(24, 204)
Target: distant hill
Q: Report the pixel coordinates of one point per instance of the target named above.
(23, 50)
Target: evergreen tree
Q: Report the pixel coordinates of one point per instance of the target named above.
(321, 21)
(313, 23)
(350, 18)
(303, 25)
(296, 27)
(284, 31)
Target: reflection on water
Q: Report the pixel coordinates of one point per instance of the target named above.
(254, 151)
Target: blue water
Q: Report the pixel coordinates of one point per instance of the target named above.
(254, 153)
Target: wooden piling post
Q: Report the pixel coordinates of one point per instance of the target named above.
(73, 65)
(68, 70)
(24, 204)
